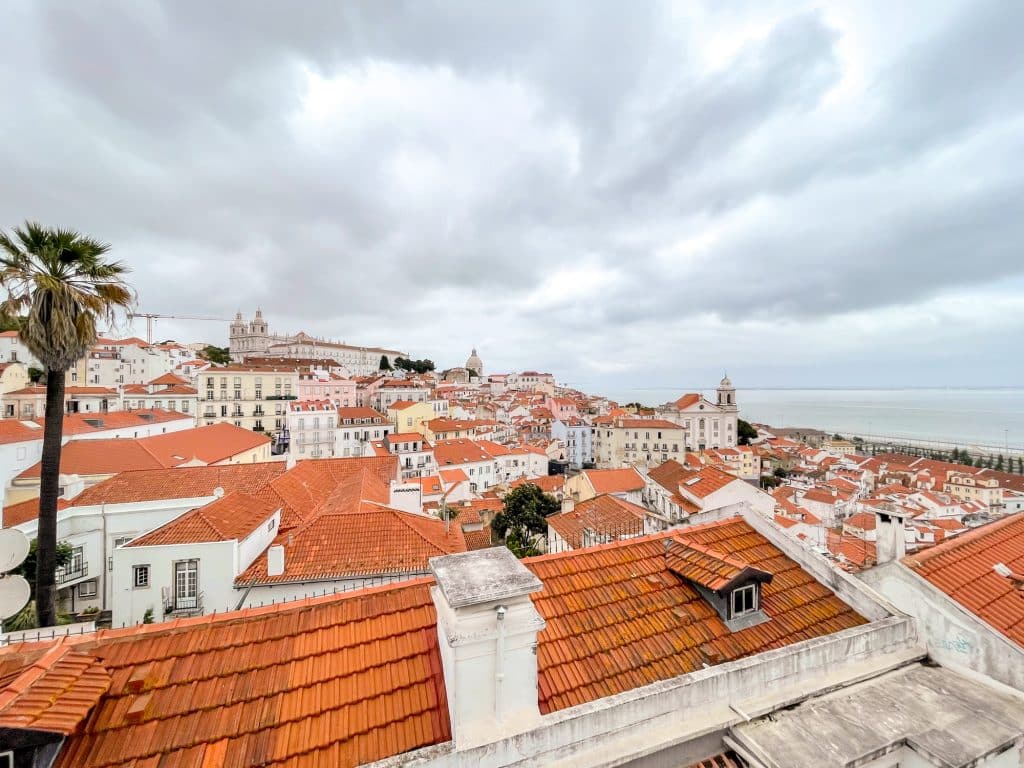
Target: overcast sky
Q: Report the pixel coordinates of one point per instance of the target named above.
(627, 194)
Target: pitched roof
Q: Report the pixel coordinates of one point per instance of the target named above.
(341, 681)
(232, 517)
(82, 423)
(614, 480)
(353, 533)
(107, 456)
(459, 451)
(687, 400)
(23, 511)
(710, 568)
(962, 568)
(705, 481)
(181, 482)
(49, 688)
(14, 431)
(618, 617)
(604, 515)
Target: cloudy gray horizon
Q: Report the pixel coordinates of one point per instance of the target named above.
(626, 194)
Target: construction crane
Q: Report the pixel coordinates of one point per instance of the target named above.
(151, 316)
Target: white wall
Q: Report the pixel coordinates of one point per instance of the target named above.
(218, 563)
(953, 635)
(15, 458)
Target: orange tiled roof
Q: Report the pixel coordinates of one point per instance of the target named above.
(478, 539)
(705, 481)
(80, 423)
(49, 688)
(209, 445)
(614, 480)
(23, 511)
(687, 400)
(604, 515)
(14, 431)
(709, 567)
(234, 516)
(963, 568)
(619, 618)
(340, 681)
(182, 482)
(459, 451)
(547, 483)
(353, 533)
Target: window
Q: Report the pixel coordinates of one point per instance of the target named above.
(186, 583)
(140, 576)
(120, 541)
(743, 600)
(87, 589)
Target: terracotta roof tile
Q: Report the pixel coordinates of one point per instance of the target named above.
(50, 688)
(232, 517)
(340, 681)
(107, 456)
(606, 517)
(24, 511)
(14, 431)
(618, 617)
(962, 567)
(710, 568)
(181, 483)
(614, 480)
(705, 481)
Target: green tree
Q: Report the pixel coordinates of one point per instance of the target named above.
(218, 355)
(999, 463)
(745, 431)
(523, 516)
(58, 280)
(770, 481)
(780, 473)
(385, 365)
(35, 375)
(30, 564)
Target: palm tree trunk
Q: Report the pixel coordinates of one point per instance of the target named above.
(49, 490)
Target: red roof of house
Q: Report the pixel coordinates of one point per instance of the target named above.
(547, 483)
(14, 431)
(705, 481)
(182, 482)
(618, 617)
(208, 445)
(614, 480)
(687, 400)
(962, 567)
(23, 511)
(339, 681)
(350, 679)
(232, 517)
(459, 451)
(604, 515)
(353, 533)
(81, 423)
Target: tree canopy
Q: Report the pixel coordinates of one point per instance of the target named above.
(385, 364)
(745, 431)
(523, 516)
(414, 366)
(218, 355)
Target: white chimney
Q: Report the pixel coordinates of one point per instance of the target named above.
(289, 462)
(487, 627)
(275, 560)
(72, 485)
(891, 543)
(568, 505)
(407, 497)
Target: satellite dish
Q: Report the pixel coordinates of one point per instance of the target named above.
(13, 548)
(14, 595)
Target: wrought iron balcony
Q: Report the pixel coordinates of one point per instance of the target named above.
(177, 605)
(77, 568)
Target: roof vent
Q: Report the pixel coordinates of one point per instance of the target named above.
(218, 492)
(275, 560)
(94, 422)
(146, 416)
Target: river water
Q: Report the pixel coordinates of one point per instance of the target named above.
(968, 416)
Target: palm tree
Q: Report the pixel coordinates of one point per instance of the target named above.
(59, 284)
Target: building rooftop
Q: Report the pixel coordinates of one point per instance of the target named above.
(614, 480)
(603, 516)
(931, 711)
(963, 568)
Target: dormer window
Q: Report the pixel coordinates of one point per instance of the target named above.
(729, 585)
(744, 600)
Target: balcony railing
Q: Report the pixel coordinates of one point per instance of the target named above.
(281, 397)
(178, 604)
(76, 569)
